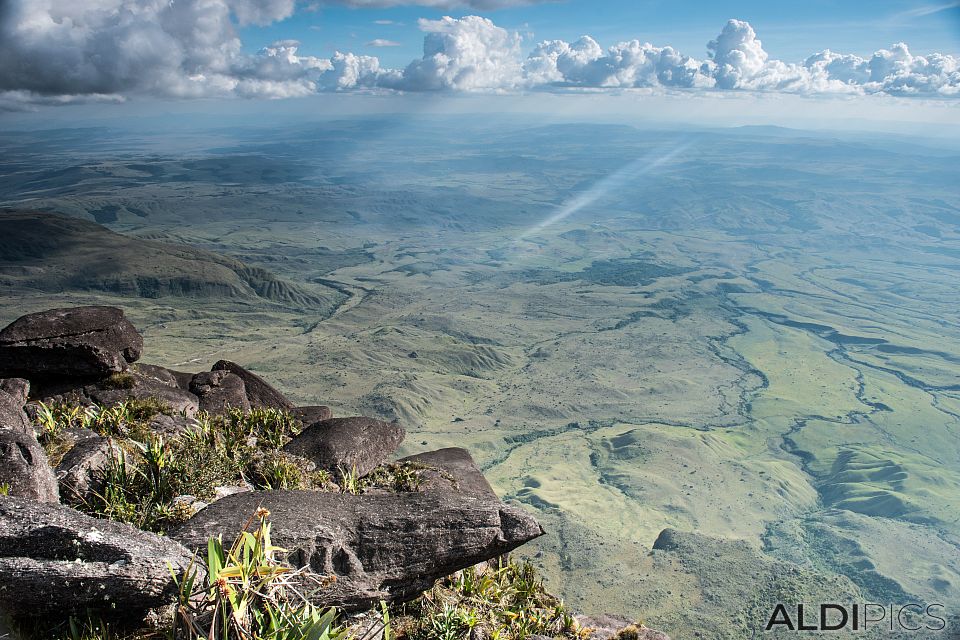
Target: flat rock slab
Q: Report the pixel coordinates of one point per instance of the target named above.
(453, 469)
(64, 343)
(390, 547)
(24, 468)
(259, 392)
(55, 560)
(347, 443)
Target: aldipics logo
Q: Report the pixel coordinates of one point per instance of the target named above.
(859, 617)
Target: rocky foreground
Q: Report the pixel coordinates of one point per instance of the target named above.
(364, 546)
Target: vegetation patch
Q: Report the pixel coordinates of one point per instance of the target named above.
(499, 601)
(155, 480)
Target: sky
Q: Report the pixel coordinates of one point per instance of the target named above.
(791, 30)
(62, 55)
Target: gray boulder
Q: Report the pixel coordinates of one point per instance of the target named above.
(310, 415)
(347, 443)
(219, 391)
(13, 397)
(259, 392)
(171, 426)
(24, 468)
(55, 560)
(74, 342)
(377, 547)
(80, 473)
(451, 470)
(16, 388)
(157, 373)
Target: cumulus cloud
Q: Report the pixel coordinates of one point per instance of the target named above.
(187, 48)
(381, 42)
(60, 51)
(468, 54)
(627, 65)
(736, 60)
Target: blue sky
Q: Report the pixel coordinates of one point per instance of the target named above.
(789, 30)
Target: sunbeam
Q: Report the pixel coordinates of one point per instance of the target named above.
(637, 169)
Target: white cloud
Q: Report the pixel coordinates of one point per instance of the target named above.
(187, 48)
(468, 54)
(349, 71)
(738, 61)
(626, 65)
(381, 42)
(62, 51)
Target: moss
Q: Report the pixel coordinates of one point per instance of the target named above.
(119, 381)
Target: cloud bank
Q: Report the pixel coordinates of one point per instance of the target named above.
(57, 52)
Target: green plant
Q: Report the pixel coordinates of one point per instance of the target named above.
(385, 620)
(350, 480)
(507, 602)
(275, 470)
(397, 476)
(247, 595)
(4, 489)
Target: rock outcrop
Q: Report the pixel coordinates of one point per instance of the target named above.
(119, 388)
(74, 342)
(24, 470)
(312, 414)
(13, 397)
(387, 544)
(17, 388)
(608, 627)
(378, 547)
(451, 470)
(349, 444)
(219, 391)
(54, 560)
(259, 392)
(80, 473)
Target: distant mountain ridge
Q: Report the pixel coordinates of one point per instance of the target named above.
(54, 253)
